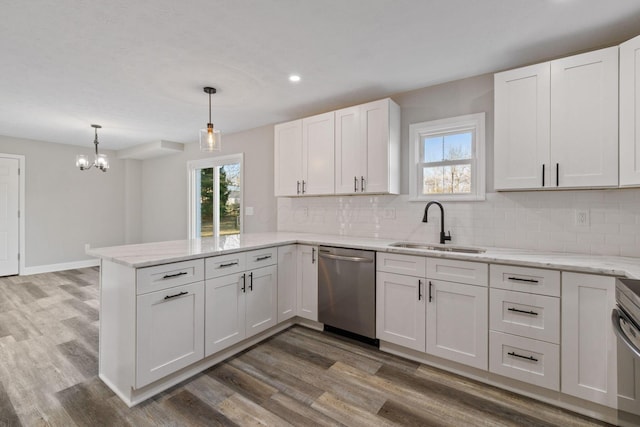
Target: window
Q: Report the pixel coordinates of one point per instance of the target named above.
(447, 159)
(215, 196)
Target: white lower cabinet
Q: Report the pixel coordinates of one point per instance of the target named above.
(307, 289)
(400, 310)
(287, 281)
(457, 322)
(241, 305)
(169, 331)
(589, 345)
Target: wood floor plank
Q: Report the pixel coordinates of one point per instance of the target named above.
(8, 416)
(85, 361)
(298, 413)
(87, 409)
(405, 415)
(347, 414)
(240, 381)
(89, 312)
(244, 412)
(195, 412)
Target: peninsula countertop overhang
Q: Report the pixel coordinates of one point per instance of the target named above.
(151, 254)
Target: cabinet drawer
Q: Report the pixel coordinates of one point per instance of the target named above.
(222, 265)
(168, 275)
(534, 362)
(523, 279)
(526, 315)
(408, 265)
(472, 273)
(262, 258)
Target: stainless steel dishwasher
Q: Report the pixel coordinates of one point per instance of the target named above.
(347, 290)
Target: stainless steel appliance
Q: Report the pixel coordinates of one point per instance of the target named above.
(347, 290)
(625, 318)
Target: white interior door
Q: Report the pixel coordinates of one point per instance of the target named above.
(9, 220)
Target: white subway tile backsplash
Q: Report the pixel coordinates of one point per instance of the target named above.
(543, 220)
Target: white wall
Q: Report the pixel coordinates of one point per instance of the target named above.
(542, 220)
(165, 187)
(66, 207)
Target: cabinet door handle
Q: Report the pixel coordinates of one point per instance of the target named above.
(297, 187)
(514, 354)
(419, 289)
(171, 276)
(244, 283)
(543, 174)
(176, 295)
(229, 264)
(518, 279)
(533, 313)
(251, 281)
(362, 181)
(303, 189)
(262, 258)
(313, 255)
(355, 184)
(557, 174)
(430, 294)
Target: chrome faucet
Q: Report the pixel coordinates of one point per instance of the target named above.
(443, 237)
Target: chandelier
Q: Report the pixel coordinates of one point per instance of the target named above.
(100, 161)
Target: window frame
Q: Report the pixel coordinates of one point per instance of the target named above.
(193, 170)
(474, 123)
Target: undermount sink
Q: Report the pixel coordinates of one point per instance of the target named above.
(441, 248)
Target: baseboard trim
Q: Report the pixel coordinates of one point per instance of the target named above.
(50, 268)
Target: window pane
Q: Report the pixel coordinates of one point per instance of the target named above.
(230, 199)
(458, 146)
(206, 202)
(432, 149)
(447, 179)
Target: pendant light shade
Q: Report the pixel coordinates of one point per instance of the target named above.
(100, 161)
(210, 138)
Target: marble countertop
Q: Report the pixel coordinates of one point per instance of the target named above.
(150, 254)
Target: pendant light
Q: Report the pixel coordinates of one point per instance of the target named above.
(210, 138)
(100, 161)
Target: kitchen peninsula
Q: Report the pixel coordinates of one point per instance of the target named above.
(171, 309)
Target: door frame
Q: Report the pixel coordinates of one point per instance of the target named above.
(192, 167)
(21, 207)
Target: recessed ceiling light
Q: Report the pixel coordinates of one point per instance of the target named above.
(294, 78)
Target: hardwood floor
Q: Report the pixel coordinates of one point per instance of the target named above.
(300, 377)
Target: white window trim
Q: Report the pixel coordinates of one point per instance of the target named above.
(470, 121)
(195, 165)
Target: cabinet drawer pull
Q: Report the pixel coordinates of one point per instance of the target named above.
(533, 313)
(262, 258)
(171, 276)
(229, 264)
(176, 295)
(519, 279)
(514, 354)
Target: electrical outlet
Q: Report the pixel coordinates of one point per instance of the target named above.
(582, 217)
(248, 211)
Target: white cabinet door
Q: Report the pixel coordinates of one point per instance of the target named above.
(261, 300)
(584, 119)
(225, 313)
(349, 151)
(318, 154)
(628, 381)
(400, 310)
(521, 142)
(288, 158)
(457, 322)
(380, 132)
(589, 345)
(287, 277)
(169, 331)
(630, 112)
(308, 282)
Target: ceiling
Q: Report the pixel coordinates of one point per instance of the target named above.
(138, 67)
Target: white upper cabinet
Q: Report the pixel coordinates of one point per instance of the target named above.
(630, 112)
(303, 156)
(584, 119)
(556, 124)
(521, 142)
(367, 147)
(317, 154)
(288, 158)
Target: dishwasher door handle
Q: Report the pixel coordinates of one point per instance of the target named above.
(344, 258)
